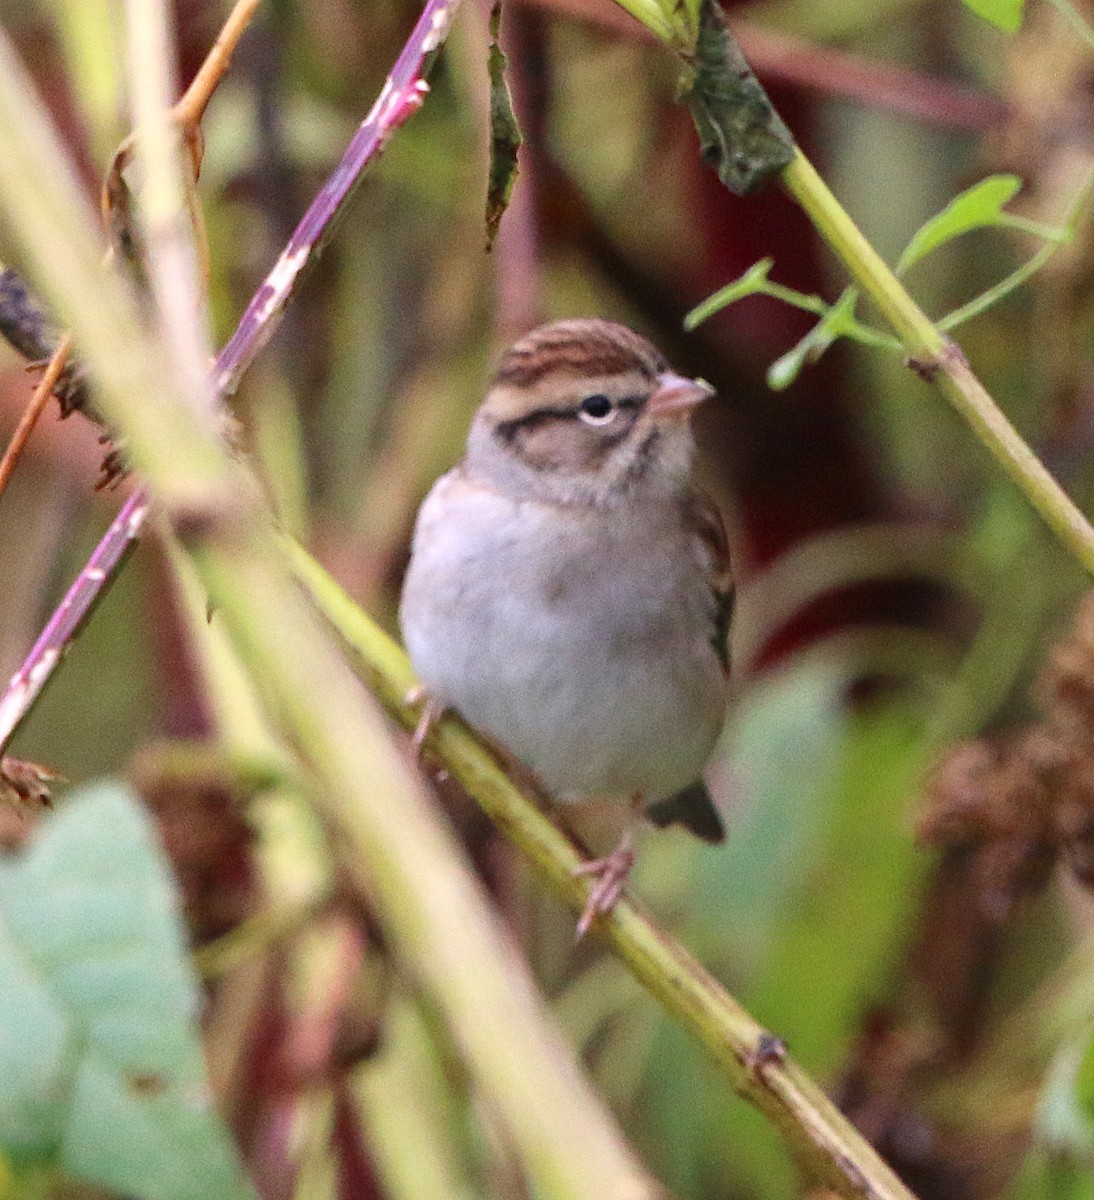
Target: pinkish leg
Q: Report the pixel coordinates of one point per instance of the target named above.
(432, 711)
(611, 873)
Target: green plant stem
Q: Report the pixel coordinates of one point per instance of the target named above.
(935, 357)
(995, 293)
(814, 304)
(814, 1129)
(915, 330)
(1037, 229)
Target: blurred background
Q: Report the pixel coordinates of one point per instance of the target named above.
(902, 896)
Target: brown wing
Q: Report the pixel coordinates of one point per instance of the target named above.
(704, 518)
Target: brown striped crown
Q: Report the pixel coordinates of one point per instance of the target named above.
(578, 348)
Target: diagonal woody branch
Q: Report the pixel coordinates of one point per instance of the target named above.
(750, 1058)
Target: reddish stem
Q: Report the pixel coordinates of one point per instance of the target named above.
(403, 92)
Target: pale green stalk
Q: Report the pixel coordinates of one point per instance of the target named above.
(816, 1133)
(412, 1113)
(391, 844)
(937, 358)
(994, 294)
(171, 263)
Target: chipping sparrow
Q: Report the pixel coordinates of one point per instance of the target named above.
(569, 590)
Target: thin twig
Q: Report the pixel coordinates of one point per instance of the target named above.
(191, 107)
(34, 409)
(68, 618)
(401, 94)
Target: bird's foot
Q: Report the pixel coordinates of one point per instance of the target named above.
(432, 711)
(611, 874)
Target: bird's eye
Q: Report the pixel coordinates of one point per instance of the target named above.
(596, 409)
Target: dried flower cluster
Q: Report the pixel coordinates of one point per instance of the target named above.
(1027, 802)
(200, 814)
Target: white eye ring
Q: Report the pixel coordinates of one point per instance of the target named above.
(596, 409)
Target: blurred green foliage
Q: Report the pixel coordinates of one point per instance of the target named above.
(101, 1059)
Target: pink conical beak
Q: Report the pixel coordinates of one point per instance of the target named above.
(676, 395)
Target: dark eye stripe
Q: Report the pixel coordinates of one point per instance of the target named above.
(508, 431)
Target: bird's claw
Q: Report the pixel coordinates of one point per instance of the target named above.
(432, 711)
(611, 874)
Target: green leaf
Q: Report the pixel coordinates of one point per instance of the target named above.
(977, 207)
(838, 322)
(505, 135)
(99, 1049)
(751, 283)
(1006, 14)
(740, 134)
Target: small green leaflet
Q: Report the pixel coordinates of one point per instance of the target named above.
(753, 281)
(976, 208)
(1006, 14)
(838, 322)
